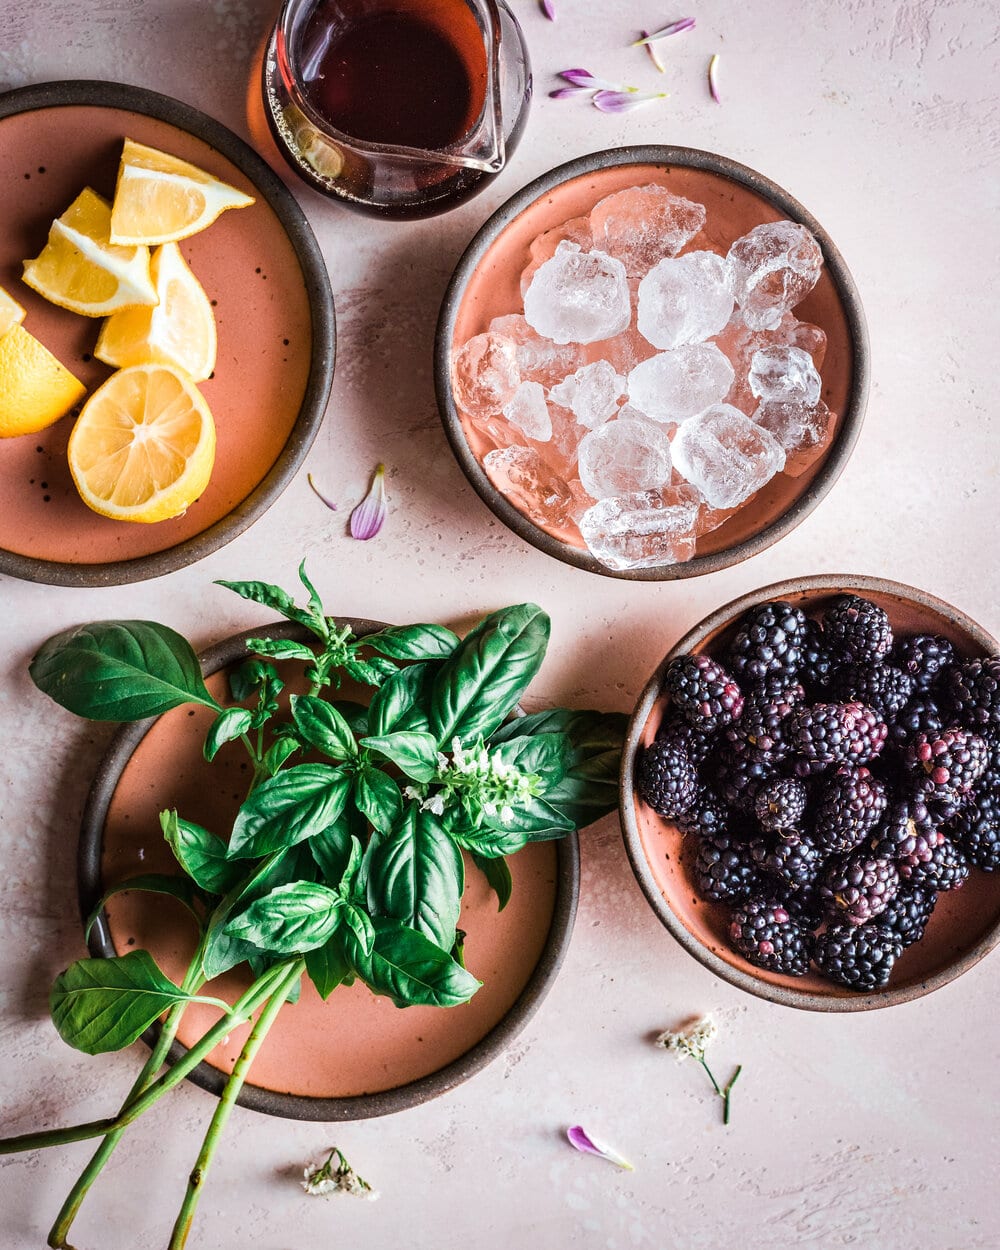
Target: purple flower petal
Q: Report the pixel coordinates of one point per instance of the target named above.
(673, 28)
(713, 79)
(580, 1139)
(549, 9)
(367, 517)
(625, 101)
(654, 56)
(584, 78)
(316, 490)
(568, 93)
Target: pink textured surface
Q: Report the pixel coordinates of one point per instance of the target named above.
(872, 1131)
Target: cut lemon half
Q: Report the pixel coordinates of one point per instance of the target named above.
(80, 269)
(11, 312)
(143, 447)
(179, 330)
(35, 389)
(160, 199)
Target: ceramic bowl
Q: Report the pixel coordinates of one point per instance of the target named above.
(965, 924)
(356, 1055)
(486, 285)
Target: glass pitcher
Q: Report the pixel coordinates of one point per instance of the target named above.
(398, 108)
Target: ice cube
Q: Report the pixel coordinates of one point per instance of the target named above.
(784, 373)
(772, 269)
(531, 485)
(578, 297)
(642, 225)
(675, 385)
(803, 430)
(624, 456)
(643, 528)
(810, 338)
(684, 300)
(591, 393)
(528, 410)
(538, 358)
(726, 456)
(485, 375)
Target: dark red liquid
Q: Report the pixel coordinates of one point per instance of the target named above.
(395, 77)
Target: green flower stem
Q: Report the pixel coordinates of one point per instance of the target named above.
(715, 1083)
(231, 1092)
(725, 1094)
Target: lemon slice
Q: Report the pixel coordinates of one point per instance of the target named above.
(11, 312)
(80, 269)
(35, 389)
(160, 199)
(143, 447)
(179, 330)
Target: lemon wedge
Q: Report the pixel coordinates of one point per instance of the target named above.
(179, 330)
(160, 199)
(143, 447)
(11, 312)
(35, 389)
(80, 269)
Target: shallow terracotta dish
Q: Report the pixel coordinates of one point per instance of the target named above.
(486, 285)
(965, 924)
(356, 1055)
(263, 271)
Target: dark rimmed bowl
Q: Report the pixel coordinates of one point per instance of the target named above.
(96, 858)
(965, 925)
(485, 285)
(275, 311)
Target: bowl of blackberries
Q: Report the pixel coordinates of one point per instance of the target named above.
(811, 793)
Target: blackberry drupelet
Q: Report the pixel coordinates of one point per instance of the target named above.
(974, 691)
(724, 871)
(790, 859)
(907, 914)
(858, 886)
(849, 804)
(696, 742)
(768, 642)
(739, 775)
(976, 829)
(762, 727)
(858, 956)
(780, 803)
(953, 761)
(666, 779)
(707, 817)
(703, 692)
(883, 687)
(764, 932)
(856, 627)
(922, 715)
(947, 868)
(925, 657)
(835, 733)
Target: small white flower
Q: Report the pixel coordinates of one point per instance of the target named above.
(411, 792)
(506, 814)
(692, 1041)
(435, 804)
(323, 1178)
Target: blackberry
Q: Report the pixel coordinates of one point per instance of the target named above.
(762, 726)
(818, 663)
(836, 733)
(953, 761)
(974, 690)
(763, 931)
(803, 904)
(768, 642)
(667, 780)
(943, 805)
(859, 886)
(780, 803)
(857, 628)
(849, 804)
(925, 657)
(696, 742)
(976, 829)
(708, 816)
(724, 871)
(882, 687)
(907, 836)
(946, 869)
(907, 914)
(739, 777)
(703, 692)
(922, 715)
(790, 859)
(858, 956)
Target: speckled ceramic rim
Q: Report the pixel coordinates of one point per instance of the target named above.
(324, 334)
(849, 583)
(838, 454)
(297, 1106)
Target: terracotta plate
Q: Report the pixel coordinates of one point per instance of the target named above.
(965, 924)
(263, 271)
(356, 1055)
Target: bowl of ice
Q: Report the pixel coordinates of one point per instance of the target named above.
(652, 362)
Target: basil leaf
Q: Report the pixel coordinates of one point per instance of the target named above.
(364, 672)
(278, 753)
(378, 798)
(545, 754)
(315, 603)
(152, 883)
(331, 848)
(589, 787)
(287, 808)
(327, 965)
(413, 642)
(493, 843)
(409, 968)
(351, 882)
(231, 723)
(120, 671)
(279, 600)
(291, 919)
(497, 873)
(414, 754)
(245, 679)
(201, 854)
(360, 925)
(417, 876)
(400, 694)
(356, 715)
(534, 817)
(280, 649)
(323, 727)
(481, 682)
(99, 1005)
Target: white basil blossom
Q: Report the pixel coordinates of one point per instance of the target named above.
(322, 1178)
(690, 1042)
